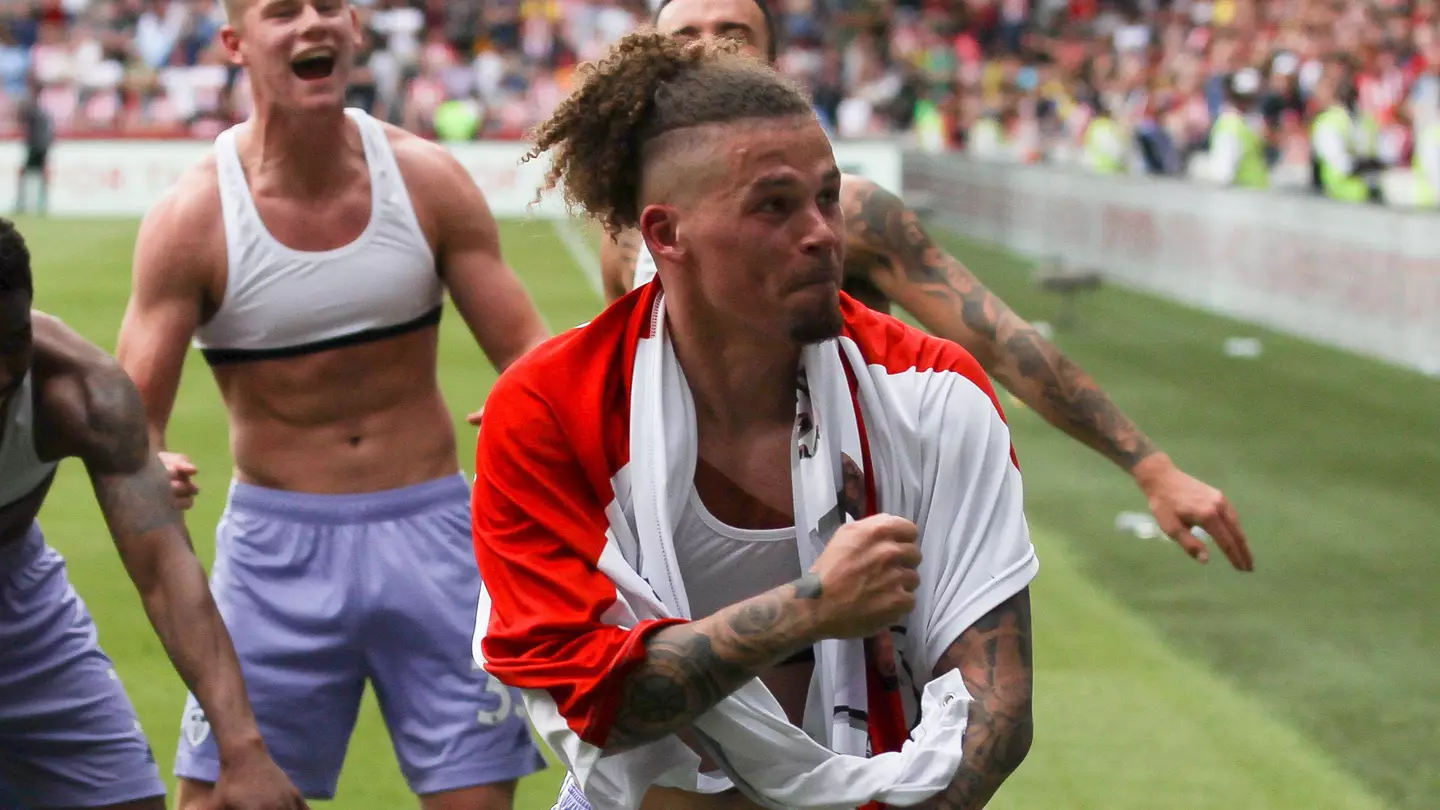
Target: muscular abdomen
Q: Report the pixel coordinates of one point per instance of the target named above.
(358, 419)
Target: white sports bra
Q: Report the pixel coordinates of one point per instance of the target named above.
(281, 302)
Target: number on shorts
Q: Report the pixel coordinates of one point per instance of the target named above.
(503, 711)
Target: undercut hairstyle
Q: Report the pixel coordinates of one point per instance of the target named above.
(649, 85)
(14, 261)
(772, 46)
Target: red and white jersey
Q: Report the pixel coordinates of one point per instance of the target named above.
(553, 494)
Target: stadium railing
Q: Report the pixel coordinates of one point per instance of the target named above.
(1362, 278)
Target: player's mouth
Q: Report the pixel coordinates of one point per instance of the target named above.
(314, 64)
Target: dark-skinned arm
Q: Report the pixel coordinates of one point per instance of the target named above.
(133, 490)
(887, 243)
(994, 659)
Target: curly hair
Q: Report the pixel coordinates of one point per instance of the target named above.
(14, 261)
(649, 84)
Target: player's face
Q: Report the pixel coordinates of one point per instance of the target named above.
(16, 343)
(298, 52)
(763, 239)
(733, 19)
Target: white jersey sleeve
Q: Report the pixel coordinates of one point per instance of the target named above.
(974, 538)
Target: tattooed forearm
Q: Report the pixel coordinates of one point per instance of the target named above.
(691, 667)
(887, 244)
(994, 658)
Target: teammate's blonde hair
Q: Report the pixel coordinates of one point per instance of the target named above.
(650, 85)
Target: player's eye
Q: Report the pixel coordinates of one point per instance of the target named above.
(774, 205)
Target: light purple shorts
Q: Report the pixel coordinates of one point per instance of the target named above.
(324, 592)
(69, 736)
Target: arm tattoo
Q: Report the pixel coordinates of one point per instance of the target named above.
(130, 482)
(994, 658)
(808, 586)
(691, 667)
(887, 242)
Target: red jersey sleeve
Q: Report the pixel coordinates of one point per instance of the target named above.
(540, 527)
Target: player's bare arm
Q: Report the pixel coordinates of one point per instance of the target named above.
(617, 262)
(864, 581)
(887, 243)
(454, 213)
(94, 413)
(691, 667)
(174, 277)
(994, 658)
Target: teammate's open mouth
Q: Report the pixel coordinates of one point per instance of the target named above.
(314, 66)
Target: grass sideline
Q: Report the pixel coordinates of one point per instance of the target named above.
(1307, 685)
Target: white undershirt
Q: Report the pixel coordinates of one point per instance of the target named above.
(722, 565)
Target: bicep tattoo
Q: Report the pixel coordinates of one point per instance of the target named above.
(995, 661)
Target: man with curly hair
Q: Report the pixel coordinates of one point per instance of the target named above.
(740, 534)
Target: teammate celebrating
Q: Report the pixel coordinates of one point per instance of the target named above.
(890, 258)
(309, 257)
(68, 733)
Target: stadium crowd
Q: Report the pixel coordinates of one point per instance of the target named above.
(1134, 86)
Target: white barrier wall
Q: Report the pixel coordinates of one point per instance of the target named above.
(1360, 278)
(126, 177)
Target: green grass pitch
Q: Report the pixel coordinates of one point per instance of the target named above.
(1310, 684)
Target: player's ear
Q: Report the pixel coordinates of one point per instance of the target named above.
(355, 30)
(230, 39)
(660, 227)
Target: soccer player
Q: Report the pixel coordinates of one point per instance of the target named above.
(723, 166)
(69, 736)
(890, 258)
(308, 258)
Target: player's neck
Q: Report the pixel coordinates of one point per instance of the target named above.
(299, 150)
(738, 379)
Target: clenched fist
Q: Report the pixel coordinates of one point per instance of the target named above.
(866, 577)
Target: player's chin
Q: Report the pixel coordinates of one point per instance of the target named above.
(815, 314)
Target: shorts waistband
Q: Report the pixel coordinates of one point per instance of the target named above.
(23, 550)
(357, 507)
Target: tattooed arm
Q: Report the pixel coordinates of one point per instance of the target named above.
(617, 262)
(133, 489)
(994, 658)
(688, 668)
(863, 582)
(887, 244)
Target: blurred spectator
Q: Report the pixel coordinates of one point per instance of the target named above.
(1122, 86)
